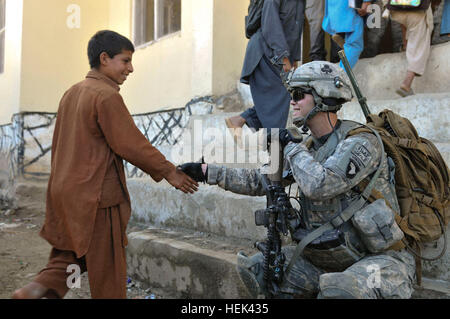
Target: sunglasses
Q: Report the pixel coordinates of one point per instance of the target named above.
(298, 95)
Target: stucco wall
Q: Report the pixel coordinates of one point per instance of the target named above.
(10, 78)
(170, 71)
(229, 44)
(54, 56)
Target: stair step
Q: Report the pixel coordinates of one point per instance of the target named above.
(381, 75)
(427, 112)
(188, 265)
(211, 209)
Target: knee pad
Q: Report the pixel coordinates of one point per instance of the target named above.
(251, 273)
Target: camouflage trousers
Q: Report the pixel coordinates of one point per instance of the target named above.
(388, 275)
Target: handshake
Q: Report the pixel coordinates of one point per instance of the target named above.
(199, 171)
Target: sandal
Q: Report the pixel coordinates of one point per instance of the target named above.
(403, 93)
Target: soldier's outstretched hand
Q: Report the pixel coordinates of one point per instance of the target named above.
(195, 171)
(181, 181)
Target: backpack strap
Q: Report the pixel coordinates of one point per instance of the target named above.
(346, 214)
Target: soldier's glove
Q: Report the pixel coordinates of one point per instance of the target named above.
(285, 136)
(194, 170)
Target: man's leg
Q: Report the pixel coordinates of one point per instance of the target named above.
(105, 259)
(419, 26)
(389, 275)
(354, 44)
(270, 96)
(315, 10)
(51, 282)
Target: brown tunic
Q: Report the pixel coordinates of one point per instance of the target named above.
(93, 133)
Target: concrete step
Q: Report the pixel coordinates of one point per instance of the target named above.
(186, 265)
(381, 75)
(211, 210)
(192, 265)
(427, 112)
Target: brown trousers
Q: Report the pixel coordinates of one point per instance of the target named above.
(105, 261)
(419, 26)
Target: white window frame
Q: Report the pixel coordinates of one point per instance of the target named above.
(156, 25)
(3, 46)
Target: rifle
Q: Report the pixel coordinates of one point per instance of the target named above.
(279, 217)
(361, 99)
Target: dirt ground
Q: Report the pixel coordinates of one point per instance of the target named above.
(23, 253)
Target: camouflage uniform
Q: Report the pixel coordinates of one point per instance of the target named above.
(327, 174)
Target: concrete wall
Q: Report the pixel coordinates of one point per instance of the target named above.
(54, 55)
(10, 78)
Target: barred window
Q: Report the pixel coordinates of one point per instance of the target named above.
(2, 34)
(154, 19)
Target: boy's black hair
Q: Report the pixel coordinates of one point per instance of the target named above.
(107, 41)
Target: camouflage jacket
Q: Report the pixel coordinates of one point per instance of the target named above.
(327, 173)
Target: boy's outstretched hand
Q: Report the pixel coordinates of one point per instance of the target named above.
(181, 181)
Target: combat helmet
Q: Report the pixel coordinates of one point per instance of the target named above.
(328, 84)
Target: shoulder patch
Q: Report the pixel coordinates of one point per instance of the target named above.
(360, 155)
(353, 169)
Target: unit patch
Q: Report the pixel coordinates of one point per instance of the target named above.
(352, 169)
(361, 155)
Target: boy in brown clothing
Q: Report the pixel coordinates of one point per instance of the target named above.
(88, 205)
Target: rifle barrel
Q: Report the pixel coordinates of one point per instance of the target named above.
(361, 99)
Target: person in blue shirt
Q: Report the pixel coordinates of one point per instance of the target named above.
(341, 18)
(445, 24)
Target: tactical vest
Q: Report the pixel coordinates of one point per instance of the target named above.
(344, 240)
(336, 205)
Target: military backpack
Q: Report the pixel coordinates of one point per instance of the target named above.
(421, 179)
